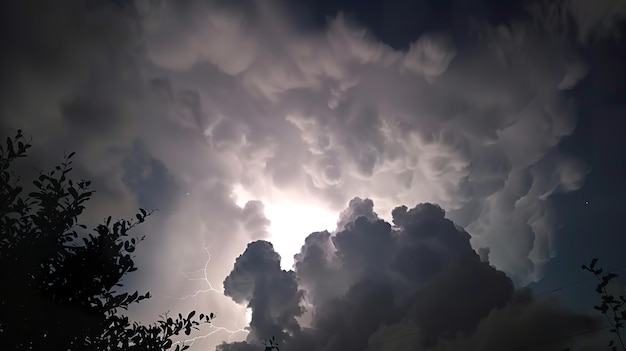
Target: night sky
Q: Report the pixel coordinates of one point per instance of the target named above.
(408, 175)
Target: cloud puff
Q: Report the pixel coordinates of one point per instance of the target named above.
(373, 280)
(430, 56)
(219, 38)
(273, 294)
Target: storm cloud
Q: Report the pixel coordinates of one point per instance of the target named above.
(338, 113)
(372, 281)
(185, 106)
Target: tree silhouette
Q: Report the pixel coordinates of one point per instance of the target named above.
(271, 344)
(613, 308)
(58, 279)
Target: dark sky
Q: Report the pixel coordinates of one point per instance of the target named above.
(339, 173)
(594, 229)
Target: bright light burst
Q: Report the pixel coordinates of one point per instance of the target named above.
(292, 219)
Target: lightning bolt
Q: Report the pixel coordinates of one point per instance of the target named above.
(199, 275)
(202, 275)
(213, 330)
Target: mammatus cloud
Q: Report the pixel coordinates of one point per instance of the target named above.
(332, 114)
(372, 281)
(173, 105)
(590, 22)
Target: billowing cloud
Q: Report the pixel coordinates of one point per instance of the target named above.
(271, 293)
(175, 106)
(430, 124)
(372, 281)
(336, 114)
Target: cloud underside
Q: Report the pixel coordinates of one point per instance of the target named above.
(334, 114)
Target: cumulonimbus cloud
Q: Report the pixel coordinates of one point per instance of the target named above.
(338, 113)
(373, 281)
(172, 105)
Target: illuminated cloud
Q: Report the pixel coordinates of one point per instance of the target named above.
(327, 116)
(178, 105)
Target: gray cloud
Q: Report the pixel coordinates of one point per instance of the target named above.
(373, 280)
(254, 220)
(271, 293)
(152, 183)
(539, 325)
(592, 21)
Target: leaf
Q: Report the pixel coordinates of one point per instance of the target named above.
(593, 263)
(191, 314)
(73, 192)
(10, 147)
(608, 277)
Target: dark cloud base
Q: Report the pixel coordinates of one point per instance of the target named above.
(372, 279)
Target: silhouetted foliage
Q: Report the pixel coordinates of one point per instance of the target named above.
(611, 307)
(271, 344)
(58, 279)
